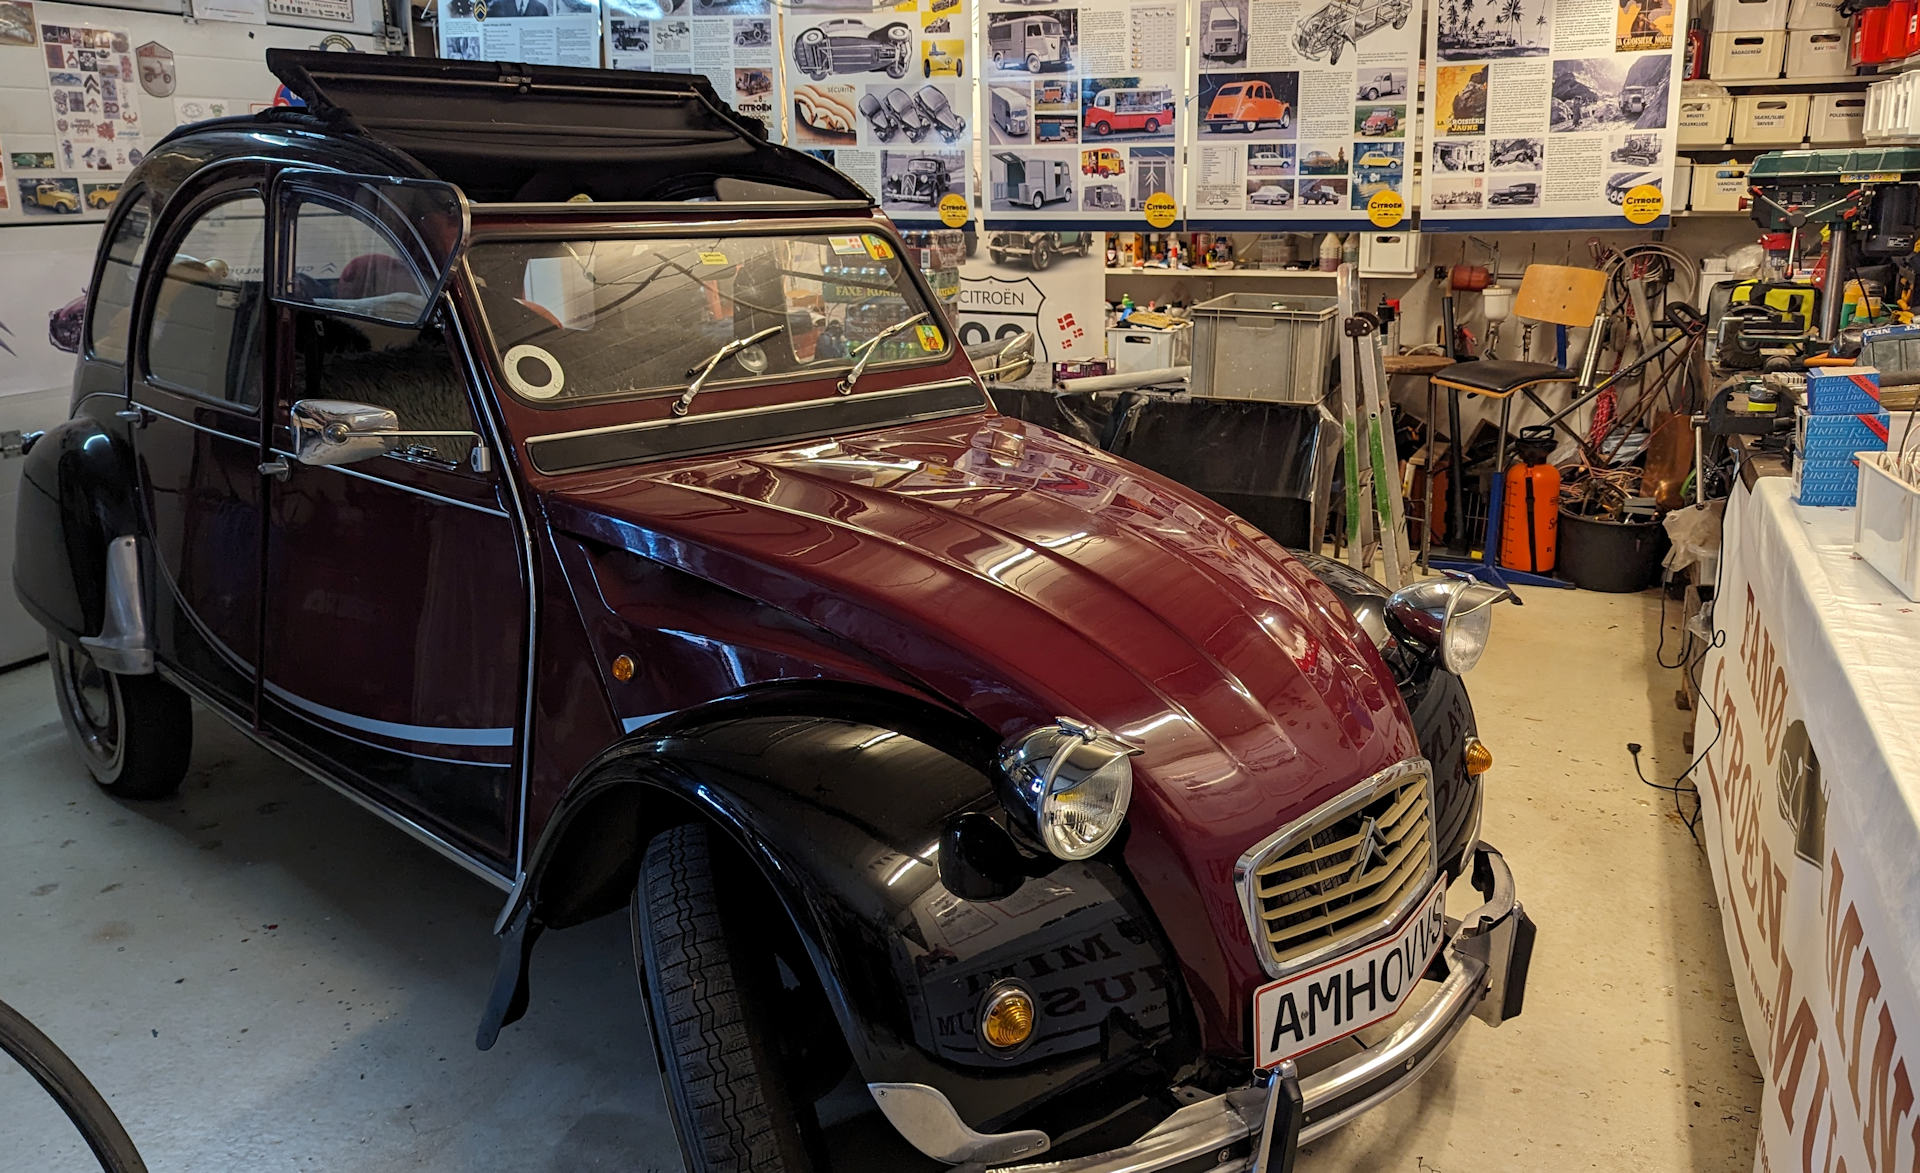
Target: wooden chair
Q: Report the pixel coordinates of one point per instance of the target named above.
(1558, 294)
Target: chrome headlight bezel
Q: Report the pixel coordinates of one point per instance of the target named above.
(1451, 616)
(1054, 766)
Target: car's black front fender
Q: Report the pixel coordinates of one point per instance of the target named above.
(1435, 698)
(880, 841)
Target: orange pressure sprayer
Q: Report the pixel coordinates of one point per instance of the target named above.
(1530, 509)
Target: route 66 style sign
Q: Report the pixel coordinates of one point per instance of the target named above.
(156, 69)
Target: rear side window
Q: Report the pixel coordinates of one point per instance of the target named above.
(111, 316)
(205, 334)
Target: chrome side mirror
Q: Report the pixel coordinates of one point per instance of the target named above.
(335, 431)
(1006, 360)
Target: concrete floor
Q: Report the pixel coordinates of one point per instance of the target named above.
(261, 977)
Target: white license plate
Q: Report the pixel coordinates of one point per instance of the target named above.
(1329, 1002)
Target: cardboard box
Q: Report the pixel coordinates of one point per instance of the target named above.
(1826, 482)
(1746, 15)
(1720, 187)
(1815, 14)
(1824, 438)
(1747, 56)
(1843, 390)
(1837, 118)
(1817, 53)
(1705, 119)
(1769, 120)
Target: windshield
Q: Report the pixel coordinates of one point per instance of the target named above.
(591, 320)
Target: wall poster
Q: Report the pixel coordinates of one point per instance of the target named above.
(1082, 105)
(1302, 112)
(730, 42)
(884, 93)
(1530, 100)
(538, 32)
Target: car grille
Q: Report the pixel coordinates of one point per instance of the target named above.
(1342, 874)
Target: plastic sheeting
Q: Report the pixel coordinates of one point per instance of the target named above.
(1271, 463)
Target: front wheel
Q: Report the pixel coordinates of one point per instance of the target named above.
(135, 733)
(713, 990)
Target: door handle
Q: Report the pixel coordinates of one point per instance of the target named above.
(275, 468)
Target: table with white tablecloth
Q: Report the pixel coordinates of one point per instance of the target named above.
(1809, 777)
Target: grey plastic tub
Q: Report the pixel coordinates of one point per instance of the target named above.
(1277, 348)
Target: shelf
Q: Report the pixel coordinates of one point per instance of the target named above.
(1263, 274)
(1711, 212)
(1802, 83)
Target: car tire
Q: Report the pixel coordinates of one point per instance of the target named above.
(1038, 202)
(1250, 127)
(1286, 120)
(926, 69)
(1041, 257)
(1372, 94)
(134, 733)
(1152, 126)
(812, 37)
(1103, 129)
(1033, 63)
(998, 257)
(1333, 55)
(709, 989)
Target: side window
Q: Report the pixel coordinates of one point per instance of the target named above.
(208, 313)
(343, 263)
(110, 318)
(410, 372)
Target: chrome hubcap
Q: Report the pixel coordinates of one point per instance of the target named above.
(94, 702)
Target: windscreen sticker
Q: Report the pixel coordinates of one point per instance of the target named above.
(929, 336)
(846, 246)
(713, 257)
(877, 247)
(552, 384)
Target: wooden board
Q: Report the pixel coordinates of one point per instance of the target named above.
(1562, 294)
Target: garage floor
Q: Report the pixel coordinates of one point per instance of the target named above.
(259, 976)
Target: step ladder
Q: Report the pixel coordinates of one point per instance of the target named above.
(1376, 519)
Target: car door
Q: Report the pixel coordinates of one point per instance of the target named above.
(394, 592)
(197, 386)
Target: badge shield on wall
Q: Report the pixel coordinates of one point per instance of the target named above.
(155, 63)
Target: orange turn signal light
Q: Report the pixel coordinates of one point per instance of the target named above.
(1479, 757)
(622, 668)
(1007, 1019)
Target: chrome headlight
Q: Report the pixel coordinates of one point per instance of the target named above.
(1073, 783)
(1454, 616)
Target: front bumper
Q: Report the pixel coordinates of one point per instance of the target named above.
(1486, 956)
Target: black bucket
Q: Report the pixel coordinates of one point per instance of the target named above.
(1600, 554)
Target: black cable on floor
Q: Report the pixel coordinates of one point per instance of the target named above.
(1692, 672)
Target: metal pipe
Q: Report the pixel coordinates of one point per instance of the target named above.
(1835, 290)
(1127, 381)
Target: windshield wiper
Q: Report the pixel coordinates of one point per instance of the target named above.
(700, 371)
(871, 347)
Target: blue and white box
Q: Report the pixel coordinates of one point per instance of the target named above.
(1843, 391)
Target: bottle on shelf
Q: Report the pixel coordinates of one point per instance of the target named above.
(1350, 250)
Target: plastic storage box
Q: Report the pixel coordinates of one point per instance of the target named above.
(1137, 348)
(1770, 120)
(1706, 115)
(1720, 187)
(1815, 14)
(1837, 118)
(1262, 346)
(1886, 526)
(1747, 56)
(1817, 53)
(1746, 15)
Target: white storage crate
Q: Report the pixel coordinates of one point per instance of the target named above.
(1837, 118)
(1720, 187)
(1769, 120)
(1754, 55)
(1682, 194)
(1138, 348)
(1815, 14)
(1705, 117)
(1745, 15)
(1272, 347)
(1817, 53)
(1886, 522)
(1893, 109)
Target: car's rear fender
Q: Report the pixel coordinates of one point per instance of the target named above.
(77, 494)
(873, 821)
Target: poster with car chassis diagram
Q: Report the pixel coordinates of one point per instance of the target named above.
(884, 92)
(1081, 100)
(730, 42)
(538, 32)
(1303, 112)
(1551, 113)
